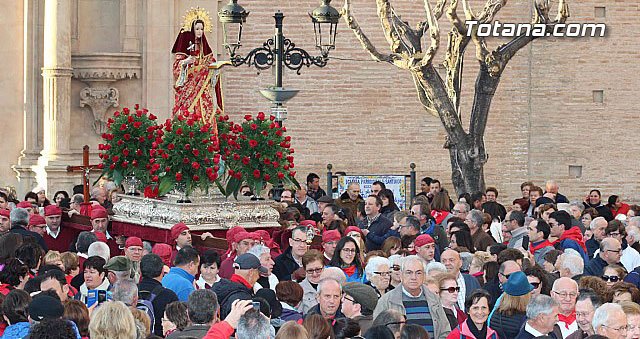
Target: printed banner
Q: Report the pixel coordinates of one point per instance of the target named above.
(398, 184)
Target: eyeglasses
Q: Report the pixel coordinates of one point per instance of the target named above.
(622, 328)
(614, 234)
(315, 271)
(347, 298)
(384, 274)
(349, 250)
(504, 275)
(395, 267)
(565, 294)
(614, 251)
(451, 289)
(297, 241)
(612, 278)
(535, 284)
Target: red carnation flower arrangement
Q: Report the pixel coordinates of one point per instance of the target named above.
(128, 142)
(188, 154)
(257, 152)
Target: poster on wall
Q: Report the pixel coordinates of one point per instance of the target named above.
(398, 184)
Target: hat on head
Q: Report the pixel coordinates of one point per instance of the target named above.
(544, 200)
(517, 284)
(119, 264)
(231, 233)
(36, 219)
(264, 235)
(50, 210)
(164, 252)
(331, 235)
(307, 223)
(353, 229)
(24, 204)
(249, 261)
(101, 236)
(133, 241)
(45, 307)
(243, 235)
(38, 189)
(98, 212)
(362, 294)
(325, 199)
(5, 213)
(423, 239)
(177, 229)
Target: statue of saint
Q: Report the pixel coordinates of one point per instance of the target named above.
(194, 90)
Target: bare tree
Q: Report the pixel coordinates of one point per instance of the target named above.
(441, 97)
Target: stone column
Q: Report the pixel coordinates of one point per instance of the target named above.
(56, 74)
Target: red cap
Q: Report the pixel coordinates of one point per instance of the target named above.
(36, 219)
(177, 229)
(242, 236)
(101, 236)
(331, 235)
(263, 235)
(50, 210)
(231, 233)
(308, 223)
(24, 204)
(353, 229)
(98, 212)
(164, 252)
(133, 241)
(423, 239)
(5, 213)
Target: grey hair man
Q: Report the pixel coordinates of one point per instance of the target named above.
(19, 223)
(392, 319)
(515, 223)
(542, 314)
(570, 264)
(126, 291)
(586, 305)
(328, 297)
(633, 233)
(609, 320)
(85, 239)
(610, 253)
(202, 307)
(460, 210)
(252, 325)
(597, 227)
(565, 293)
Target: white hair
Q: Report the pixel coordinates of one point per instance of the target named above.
(334, 273)
(100, 249)
(436, 267)
(259, 250)
(396, 259)
(325, 281)
(572, 261)
(594, 222)
(411, 258)
(577, 204)
(374, 263)
(602, 313)
(634, 231)
(634, 221)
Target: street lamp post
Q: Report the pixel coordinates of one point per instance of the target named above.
(279, 51)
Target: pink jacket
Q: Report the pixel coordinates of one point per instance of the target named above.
(463, 332)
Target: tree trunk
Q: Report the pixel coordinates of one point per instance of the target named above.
(467, 166)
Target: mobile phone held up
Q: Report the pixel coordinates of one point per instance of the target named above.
(97, 296)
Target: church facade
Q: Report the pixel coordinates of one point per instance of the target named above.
(565, 108)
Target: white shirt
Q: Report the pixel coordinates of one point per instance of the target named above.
(532, 330)
(463, 291)
(53, 235)
(630, 258)
(567, 331)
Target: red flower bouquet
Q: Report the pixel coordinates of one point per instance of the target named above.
(127, 148)
(257, 152)
(187, 155)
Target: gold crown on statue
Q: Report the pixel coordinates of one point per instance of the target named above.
(197, 14)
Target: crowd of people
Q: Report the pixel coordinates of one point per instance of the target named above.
(347, 266)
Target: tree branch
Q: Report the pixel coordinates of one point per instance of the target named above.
(454, 58)
(395, 30)
(364, 40)
(434, 35)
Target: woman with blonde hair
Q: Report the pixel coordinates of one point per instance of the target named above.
(477, 263)
(53, 258)
(511, 314)
(632, 310)
(103, 326)
(292, 330)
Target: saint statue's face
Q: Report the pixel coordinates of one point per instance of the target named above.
(198, 30)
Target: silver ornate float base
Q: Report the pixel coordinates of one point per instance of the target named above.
(203, 213)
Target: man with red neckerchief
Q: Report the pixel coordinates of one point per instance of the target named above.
(565, 293)
(539, 244)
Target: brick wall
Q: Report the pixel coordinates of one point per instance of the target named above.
(364, 117)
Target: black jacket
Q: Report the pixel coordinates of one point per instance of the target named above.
(227, 291)
(164, 296)
(592, 246)
(595, 267)
(284, 266)
(507, 326)
(377, 232)
(316, 310)
(25, 232)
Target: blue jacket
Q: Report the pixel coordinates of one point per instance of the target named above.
(569, 243)
(17, 330)
(180, 282)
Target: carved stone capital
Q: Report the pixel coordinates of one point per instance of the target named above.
(99, 100)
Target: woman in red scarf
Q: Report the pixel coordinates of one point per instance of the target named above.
(193, 77)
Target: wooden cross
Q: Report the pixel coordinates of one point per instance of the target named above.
(86, 169)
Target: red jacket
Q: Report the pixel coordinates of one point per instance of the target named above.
(221, 330)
